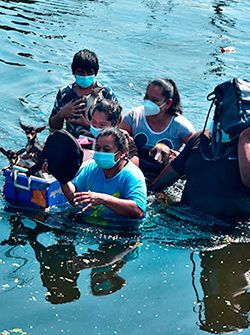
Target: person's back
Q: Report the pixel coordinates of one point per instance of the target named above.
(213, 186)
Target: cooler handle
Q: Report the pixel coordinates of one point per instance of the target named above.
(23, 187)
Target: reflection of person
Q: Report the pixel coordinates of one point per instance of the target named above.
(75, 102)
(105, 280)
(56, 277)
(159, 120)
(108, 113)
(110, 185)
(220, 187)
(60, 265)
(225, 285)
(18, 232)
(106, 262)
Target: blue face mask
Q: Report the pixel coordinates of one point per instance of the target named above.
(95, 131)
(151, 108)
(84, 81)
(105, 160)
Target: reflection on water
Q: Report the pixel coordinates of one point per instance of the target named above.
(221, 23)
(225, 282)
(60, 265)
(46, 254)
(63, 248)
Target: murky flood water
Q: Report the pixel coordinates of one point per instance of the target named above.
(179, 273)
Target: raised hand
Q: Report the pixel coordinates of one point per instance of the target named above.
(73, 109)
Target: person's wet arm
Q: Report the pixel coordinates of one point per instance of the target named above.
(244, 156)
(123, 207)
(187, 138)
(68, 190)
(167, 177)
(176, 167)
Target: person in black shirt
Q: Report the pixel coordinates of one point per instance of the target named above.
(218, 187)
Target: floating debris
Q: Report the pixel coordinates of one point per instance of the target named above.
(228, 50)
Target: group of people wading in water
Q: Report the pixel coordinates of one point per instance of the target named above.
(145, 147)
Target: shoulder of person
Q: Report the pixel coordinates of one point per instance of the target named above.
(106, 90)
(134, 171)
(135, 111)
(88, 166)
(66, 90)
(183, 121)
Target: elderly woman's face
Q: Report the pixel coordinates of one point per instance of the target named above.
(106, 144)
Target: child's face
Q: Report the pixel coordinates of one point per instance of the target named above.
(99, 120)
(82, 72)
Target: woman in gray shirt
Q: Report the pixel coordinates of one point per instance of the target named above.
(158, 120)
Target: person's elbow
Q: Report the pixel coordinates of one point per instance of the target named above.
(138, 213)
(68, 190)
(135, 212)
(245, 179)
(54, 124)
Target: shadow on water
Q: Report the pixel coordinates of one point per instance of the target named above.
(225, 285)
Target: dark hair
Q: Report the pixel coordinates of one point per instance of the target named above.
(86, 60)
(170, 91)
(111, 109)
(118, 136)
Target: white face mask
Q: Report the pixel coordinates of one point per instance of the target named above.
(151, 108)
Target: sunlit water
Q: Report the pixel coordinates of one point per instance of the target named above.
(179, 273)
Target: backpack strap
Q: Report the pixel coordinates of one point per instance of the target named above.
(210, 97)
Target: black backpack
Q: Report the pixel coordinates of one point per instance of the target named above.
(231, 102)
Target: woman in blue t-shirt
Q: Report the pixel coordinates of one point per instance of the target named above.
(109, 185)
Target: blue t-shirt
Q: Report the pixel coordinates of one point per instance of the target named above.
(129, 184)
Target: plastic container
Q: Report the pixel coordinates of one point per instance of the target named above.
(31, 192)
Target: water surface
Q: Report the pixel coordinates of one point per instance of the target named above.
(182, 272)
